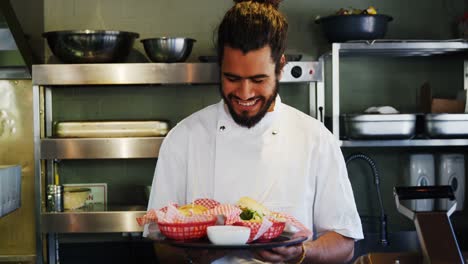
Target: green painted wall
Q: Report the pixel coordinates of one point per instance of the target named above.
(364, 81)
(198, 19)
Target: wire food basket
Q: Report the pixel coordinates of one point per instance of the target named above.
(186, 231)
(274, 231)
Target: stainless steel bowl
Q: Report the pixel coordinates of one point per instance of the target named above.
(90, 46)
(168, 49)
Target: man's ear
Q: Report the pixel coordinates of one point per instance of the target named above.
(282, 63)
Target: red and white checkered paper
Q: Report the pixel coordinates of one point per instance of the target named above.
(170, 214)
(270, 226)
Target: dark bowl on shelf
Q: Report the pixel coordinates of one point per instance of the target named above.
(90, 46)
(342, 28)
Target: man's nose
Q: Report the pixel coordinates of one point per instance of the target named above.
(245, 90)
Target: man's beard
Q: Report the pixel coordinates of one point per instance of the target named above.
(243, 119)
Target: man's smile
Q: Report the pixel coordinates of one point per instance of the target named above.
(247, 102)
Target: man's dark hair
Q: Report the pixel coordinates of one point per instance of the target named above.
(251, 25)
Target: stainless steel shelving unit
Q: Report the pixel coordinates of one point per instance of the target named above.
(111, 219)
(406, 143)
(93, 219)
(393, 48)
(99, 148)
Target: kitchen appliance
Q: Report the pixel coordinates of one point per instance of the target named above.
(435, 231)
(341, 28)
(90, 46)
(168, 50)
(419, 170)
(451, 171)
(446, 125)
(379, 126)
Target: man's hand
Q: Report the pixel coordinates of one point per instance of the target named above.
(330, 247)
(197, 256)
(281, 254)
(285, 254)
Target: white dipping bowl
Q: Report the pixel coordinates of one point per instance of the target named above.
(228, 235)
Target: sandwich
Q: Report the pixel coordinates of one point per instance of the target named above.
(252, 210)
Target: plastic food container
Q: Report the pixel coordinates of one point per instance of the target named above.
(446, 125)
(380, 126)
(228, 235)
(111, 129)
(74, 198)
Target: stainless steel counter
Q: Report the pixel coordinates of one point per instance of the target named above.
(100, 148)
(95, 218)
(405, 143)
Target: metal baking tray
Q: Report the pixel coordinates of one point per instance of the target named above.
(379, 126)
(106, 129)
(446, 125)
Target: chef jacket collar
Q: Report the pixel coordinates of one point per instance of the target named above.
(226, 122)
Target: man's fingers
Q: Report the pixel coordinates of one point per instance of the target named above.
(269, 256)
(278, 254)
(302, 233)
(288, 252)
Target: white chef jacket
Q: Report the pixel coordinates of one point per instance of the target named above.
(288, 161)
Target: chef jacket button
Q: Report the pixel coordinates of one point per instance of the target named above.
(274, 132)
(222, 128)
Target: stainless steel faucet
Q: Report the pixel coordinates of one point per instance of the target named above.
(383, 216)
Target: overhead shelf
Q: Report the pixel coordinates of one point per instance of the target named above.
(96, 218)
(405, 143)
(402, 47)
(100, 148)
(155, 73)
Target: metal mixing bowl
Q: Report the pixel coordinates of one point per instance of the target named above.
(90, 46)
(168, 49)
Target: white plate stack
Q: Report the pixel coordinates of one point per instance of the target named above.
(451, 171)
(10, 188)
(420, 172)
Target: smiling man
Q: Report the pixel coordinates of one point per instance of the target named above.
(249, 84)
(252, 144)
